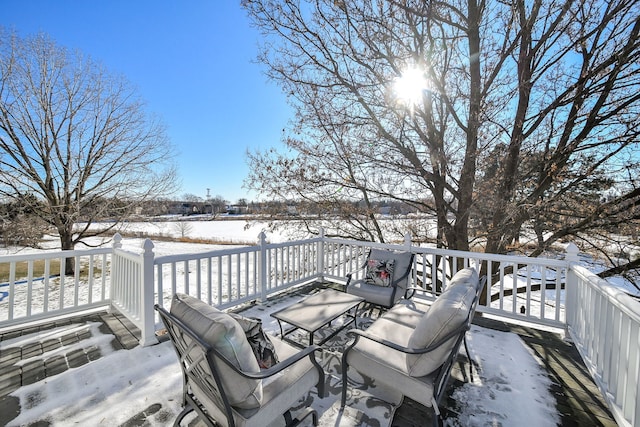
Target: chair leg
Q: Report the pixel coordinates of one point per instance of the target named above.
(466, 348)
(293, 422)
(345, 381)
(187, 409)
(437, 419)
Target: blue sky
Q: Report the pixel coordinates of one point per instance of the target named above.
(194, 64)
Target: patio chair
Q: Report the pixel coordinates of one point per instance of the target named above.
(222, 380)
(386, 275)
(413, 346)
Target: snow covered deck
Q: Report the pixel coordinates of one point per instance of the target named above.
(90, 369)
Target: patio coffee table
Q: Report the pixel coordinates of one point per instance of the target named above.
(317, 311)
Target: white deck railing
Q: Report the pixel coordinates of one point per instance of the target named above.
(602, 320)
(604, 324)
(35, 287)
(229, 277)
(520, 288)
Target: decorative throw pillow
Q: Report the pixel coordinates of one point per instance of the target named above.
(379, 272)
(262, 347)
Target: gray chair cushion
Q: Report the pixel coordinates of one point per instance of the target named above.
(448, 312)
(380, 295)
(280, 392)
(465, 277)
(387, 365)
(223, 333)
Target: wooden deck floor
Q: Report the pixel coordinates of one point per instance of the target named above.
(579, 402)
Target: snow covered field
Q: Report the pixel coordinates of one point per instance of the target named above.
(242, 232)
(232, 231)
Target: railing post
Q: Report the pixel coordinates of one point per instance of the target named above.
(115, 273)
(262, 266)
(147, 315)
(572, 253)
(407, 241)
(320, 255)
(408, 244)
(570, 304)
(117, 241)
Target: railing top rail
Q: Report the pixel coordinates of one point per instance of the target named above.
(294, 243)
(54, 255)
(548, 262)
(168, 259)
(127, 254)
(622, 300)
(365, 243)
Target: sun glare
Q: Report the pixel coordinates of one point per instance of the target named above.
(408, 88)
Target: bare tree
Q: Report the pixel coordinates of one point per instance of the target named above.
(526, 113)
(190, 197)
(218, 205)
(183, 228)
(19, 225)
(75, 137)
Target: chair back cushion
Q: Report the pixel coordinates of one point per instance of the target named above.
(465, 277)
(225, 335)
(448, 312)
(402, 263)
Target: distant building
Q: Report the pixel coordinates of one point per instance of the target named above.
(186, 208)
(237, 209)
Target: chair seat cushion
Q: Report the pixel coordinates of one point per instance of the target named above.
(389, 366)
(222, 332)
(281, 391)
(380, 295)
(448, 312)
(408, 312)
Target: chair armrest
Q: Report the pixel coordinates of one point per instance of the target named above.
(411, 291)
(363, 334)
(283, 364)
(350, 274)
(308, 351)
(207, 352)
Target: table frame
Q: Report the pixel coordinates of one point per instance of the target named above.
(327, 305)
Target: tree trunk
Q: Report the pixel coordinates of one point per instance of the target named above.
(66, 243)
(468, 172)
(503, 219)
